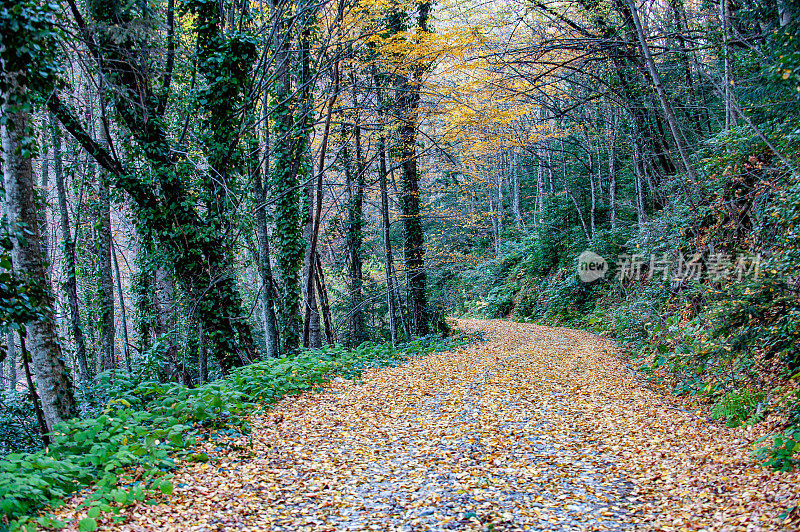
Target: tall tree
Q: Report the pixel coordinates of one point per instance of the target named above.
(68, 256)
(407, 98)
(291, 118)
(105, 276)
(268, 302)
(52, 376)
(666, 106)
(123, 313)
(189, 234)
(385, 215)
(312, 336)
(354, 183)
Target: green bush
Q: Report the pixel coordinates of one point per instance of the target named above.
(500, 301)
(780, 454)
(18, 428)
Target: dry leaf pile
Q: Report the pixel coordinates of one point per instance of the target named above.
(536, 428)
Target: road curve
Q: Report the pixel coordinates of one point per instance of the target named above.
(533, 428)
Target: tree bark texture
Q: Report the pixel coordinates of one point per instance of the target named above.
(52, 376)
(268, 302)
(106, 280)
(408, 100)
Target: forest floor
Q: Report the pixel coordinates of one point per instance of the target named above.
(534, 428)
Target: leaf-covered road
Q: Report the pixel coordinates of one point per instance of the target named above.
(535, 428)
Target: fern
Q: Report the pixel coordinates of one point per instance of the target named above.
(738, 408)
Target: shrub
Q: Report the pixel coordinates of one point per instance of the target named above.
(780, 454)
(18, 427)
(738, 408)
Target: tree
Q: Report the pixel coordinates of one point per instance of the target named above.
(291, 116)
(268, 291)
(105, 277)
(68, 250)
(25, 26)
(407, 101)
(190, 235)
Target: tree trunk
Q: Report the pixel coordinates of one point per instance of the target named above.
(166, 313)
(727, 71)
(268, 302)
(44, 428)
(68, 261)
(539, 203)
(612, 187)
(515, 169)
(202, 355)
(7, 383)
(52, 375)
(311, 329)
(12, 362)
(387, 241)
(679, 15)
(495, 228)
(355, 224)
(408, 98)
(285, 180)
(593, 192)
(677, 134)
(315, 273)
(42, 214)
(581, 218)
(319, 277)
(353, 239)
(106, 288)
(785, 12)
(638, 171)
(611, 127)
(540, 188)
(570, 194)
(123, 314)
(314, 322)
(402, 305)
(500, 200)
(142, 291)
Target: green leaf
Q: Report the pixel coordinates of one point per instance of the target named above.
(87, 524)
(166, 487)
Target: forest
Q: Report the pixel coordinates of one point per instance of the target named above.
(216, 208)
